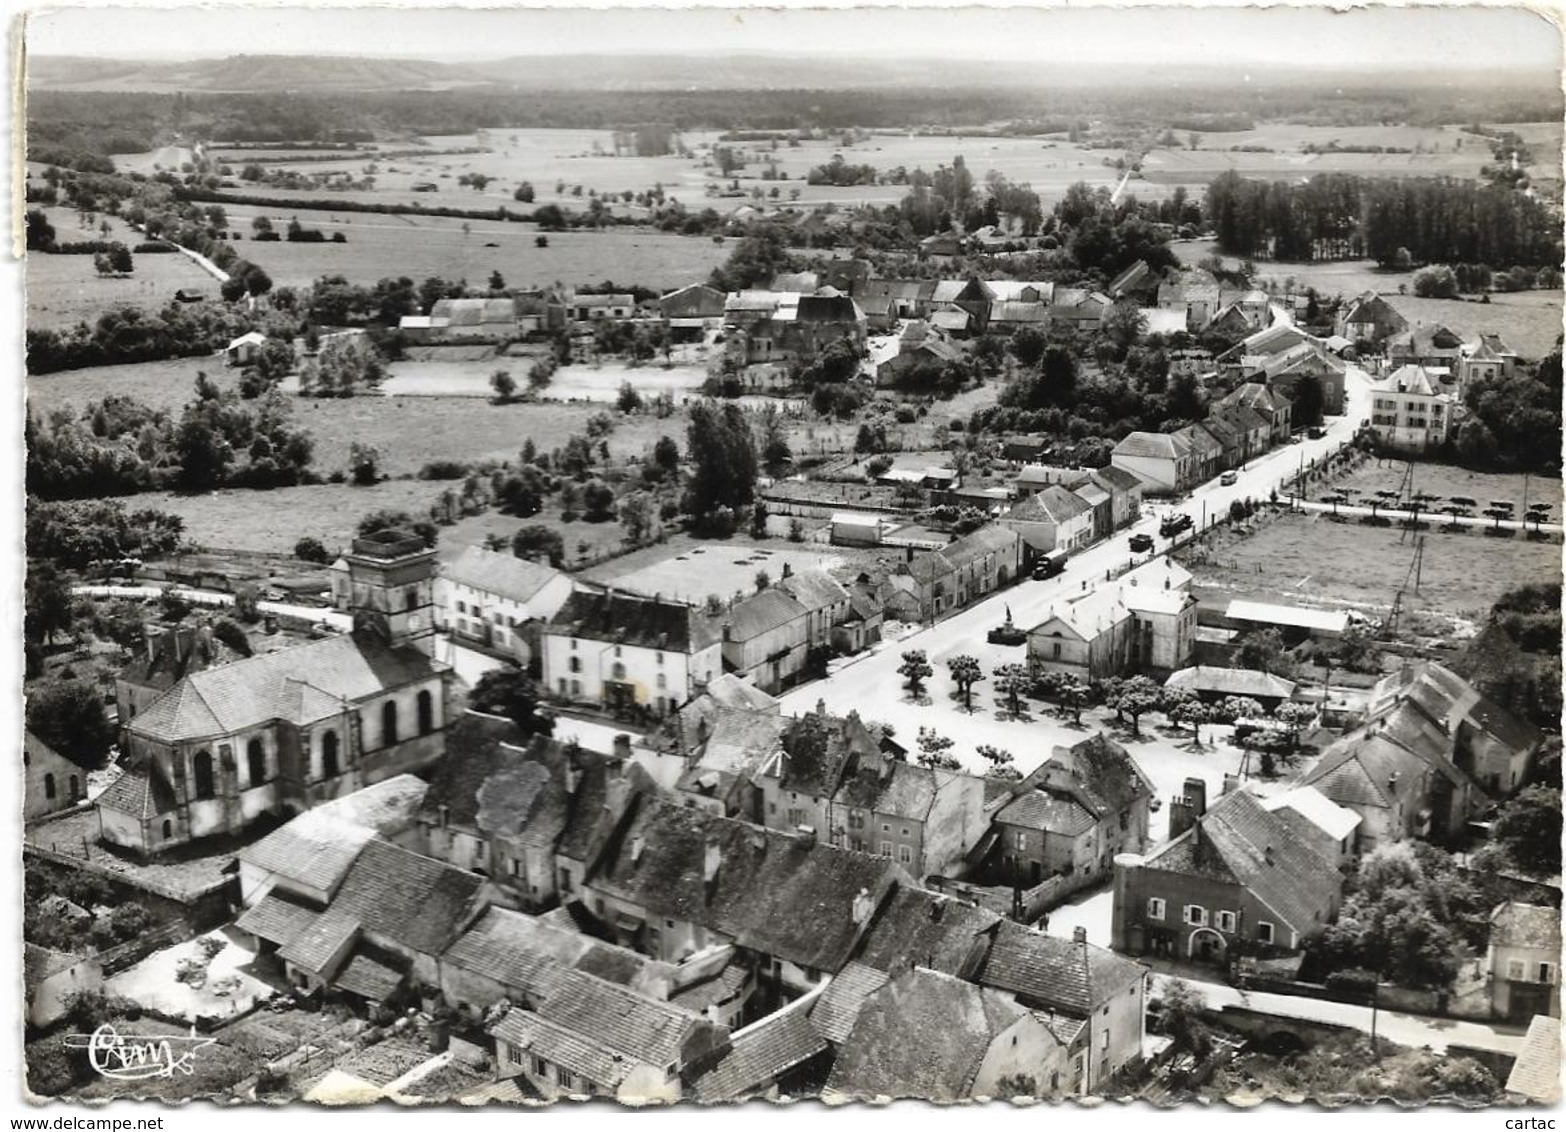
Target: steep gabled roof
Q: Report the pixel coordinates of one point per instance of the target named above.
(641, 622)
(1154, 445)
(1049, 812)
(918, 928)
(759, 1055)
(760, 614)
(834, 1013)
(504, 574)
(814, 589)
(1067, 976)
(1513, 924)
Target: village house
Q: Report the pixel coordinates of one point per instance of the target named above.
(1271, 404)
(597, 308)
(244, 350)
(764, 1057)
(1231, 443)
(1488, 359)
(1524, 961)
(590, 1037)
(499, 601)
(390, 918)
(1230, 322)
(1138, 283)
(826, 602)
(1190, 361)
(1101, 509)
(287, 730)
(721, 775)
(1145, 620)
(925, 819)
(692, 311)
(50, 781)
(1207, 452)
(1072, 308)
(1253, 430)
(1398, 772)
(1101, 995)
(909, 298)
(624, 652)
(803, 771)
(527, 812)
(1412, 411)
(1036, 477)
(1194, 293)
(939, 1038)
(1073, 814)
(677, 879)
(1233, 876)
(1309, 361)
(982, 562)
(764, 639)
(453, 320)
(1052, 519)
(1125, 494)
(920, 344)
(1370, 318)
(1434, 348)
(1321, 823)
(1161, 460)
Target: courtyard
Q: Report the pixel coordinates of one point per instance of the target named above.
(231, 984)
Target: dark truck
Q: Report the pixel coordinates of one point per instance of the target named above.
(1050, 565)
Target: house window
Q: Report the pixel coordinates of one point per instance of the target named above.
(1226, 921)
(663, 681)
(905, 854)
(204, 784)
(1263, 931)
(329, 768)
(576, 664)
(1054, 651)
(576, 687)
(168, 829)
(618, 651)
(1515, 970)
(1155, 909)
(654, 941)
(389, 723)
(514, 867)
(796, 817)
(1546, 970)
(1020, 839)
(76, 789)
(514, 1054)
(540, 1067)
(618, 672)
(49, 790)
(886, 848)
(462, 607)
(255, 756)
(566, 1078)
(1104, 1040)
(660, 658)
(426, 712)
(1195, 915)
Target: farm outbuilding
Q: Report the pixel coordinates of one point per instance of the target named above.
(855, 529)
(1295, 622)
(243, 350)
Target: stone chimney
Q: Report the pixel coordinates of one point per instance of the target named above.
(1231, 782)
(1196, 794)
(712, 859)
(863, 906)
(1180, 816)
(1079, 935)
(622, 746)
(573, 778)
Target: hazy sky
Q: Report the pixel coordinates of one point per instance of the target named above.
(1433, 37)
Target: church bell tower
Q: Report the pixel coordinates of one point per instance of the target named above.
(392, 589)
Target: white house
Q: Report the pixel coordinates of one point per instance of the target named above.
(498, 600)
(52, 977)
(243, 350)
(624, 652)
(1163, 460)
(1410, 411)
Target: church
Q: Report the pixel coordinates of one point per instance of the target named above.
(288, 730)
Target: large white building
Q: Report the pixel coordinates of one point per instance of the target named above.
(623, 652)
(1410, 410)
(498, 600)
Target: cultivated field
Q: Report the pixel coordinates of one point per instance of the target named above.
(1448, 151)
(1308, 559)
(470, 378)
(418, 247)
(63, 290)
(1528, 321)
(1447, 480)
(166, 385)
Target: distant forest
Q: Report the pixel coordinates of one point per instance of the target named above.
(70, 124)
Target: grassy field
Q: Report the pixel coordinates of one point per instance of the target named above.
(63, 290)
(1528, 321)
(470, 378)
(1311, 560)
(690, 569)
(421, 246)
(164, 385)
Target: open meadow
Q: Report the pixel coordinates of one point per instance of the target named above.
(1527, 321)
(63, 290)
(1309, 559)
(1448, 480)
(380, 245)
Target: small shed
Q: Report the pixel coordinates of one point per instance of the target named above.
(1214, 683)
(242, 351)
(851, 528)
(1295, 622)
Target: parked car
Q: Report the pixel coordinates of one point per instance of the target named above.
(1141, 544)
(1229, 478)
(1315, 432)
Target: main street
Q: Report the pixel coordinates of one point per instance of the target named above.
(871, 685)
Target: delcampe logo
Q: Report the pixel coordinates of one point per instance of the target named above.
(138, 1057)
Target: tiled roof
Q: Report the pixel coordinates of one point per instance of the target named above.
(923, 1035)
(1118, 479)
(838, 1006)
(38, 963)
(1059, 974)
(413, 900)
(638, 621)
(505, 575)
(1311, 804)
(975, 545)
(277, 918)
(247, 693)
(813, 589)
(314, 849)
(889, 786)
(560, 1045)
(1263, 854)
(1048, 811)
(1155, 445)
(1536, 1074)
(371, 978)
(760, 1054)
(327, 935)
(1525, 925)
(760, 614)
(140, 792)
(917, 928)
(819, 749)
(775, 894)
(723, 987)
(632, 1025)
(1414, 379)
